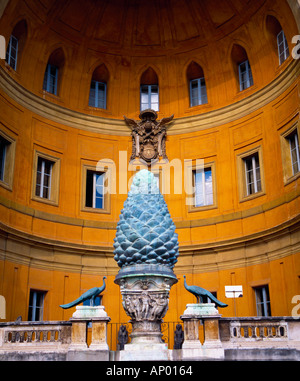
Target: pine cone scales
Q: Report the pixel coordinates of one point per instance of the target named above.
(145, 231)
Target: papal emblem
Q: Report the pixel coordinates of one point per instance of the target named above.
(148, 136)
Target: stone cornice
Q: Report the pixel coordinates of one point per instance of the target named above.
(241, 108)
(111, 225)
(109, 126)
(262, 247)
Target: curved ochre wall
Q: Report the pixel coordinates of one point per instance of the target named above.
(63, 248)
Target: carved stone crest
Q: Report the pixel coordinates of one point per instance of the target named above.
(148, 136)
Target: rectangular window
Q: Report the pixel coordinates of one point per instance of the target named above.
(97, 94)
(94, 189)
(263, 306)
(214, 293)
(50, 79)
(157, 178)
(203, 184)
(201, 188)
(46, 177)
(293, 140)
(149, 97)
(12, 52)
(283, 48)
(4, 144)
(245, 75)
(36, 305)
(7, 158)
(43, 178)
(96, 303)
(198, 93)
(252, 174)
(290, 152)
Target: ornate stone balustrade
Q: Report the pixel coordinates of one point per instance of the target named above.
(243, 338)
(260, 338)
(32, 335)
(277, 330)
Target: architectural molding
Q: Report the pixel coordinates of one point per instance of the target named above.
(272, 244)
(109, 126)
(184, 224)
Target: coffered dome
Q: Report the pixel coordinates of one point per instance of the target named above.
(124, 44)
(134, 27)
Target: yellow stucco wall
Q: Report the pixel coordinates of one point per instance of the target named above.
(65, 250)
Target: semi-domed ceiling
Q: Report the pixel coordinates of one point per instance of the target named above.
(143, 26)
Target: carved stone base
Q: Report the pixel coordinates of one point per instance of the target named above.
(146, 332)
(145, 291)
(144, 352)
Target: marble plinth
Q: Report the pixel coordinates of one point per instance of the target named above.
(145, 294)
(200, 310)
(145, 352)
(80, 318)
(208, 315)
(89, 312)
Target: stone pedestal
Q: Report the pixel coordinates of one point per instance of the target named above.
(89, 312)
(99, 335)
(144, 352)
(207, 314)
(78, 335)
(99, 319)
(212, 346)
(145, 292)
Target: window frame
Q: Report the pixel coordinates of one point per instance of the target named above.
(241, 174)
(295, 137)
(96, 175)
(286, 51)
(43, 174)
(190, 199)
(205, 194)
(288, 175)
(34, 306)
(97, 91)
(265, 303)
(149, 96)
(249, 77)
(8, 161)
(200, 87)
(106, 185)
(53, 197)
(47, 79)
(8, 56)
(255, 169)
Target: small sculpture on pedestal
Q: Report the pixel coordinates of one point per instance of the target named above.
(178, 337)
(203, 312)
(90, 294)
(202, 294)
(122, 337)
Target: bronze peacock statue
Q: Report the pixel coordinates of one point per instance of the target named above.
(90, 294)
(202, 294)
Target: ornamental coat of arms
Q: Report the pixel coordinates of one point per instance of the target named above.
(148, 136)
